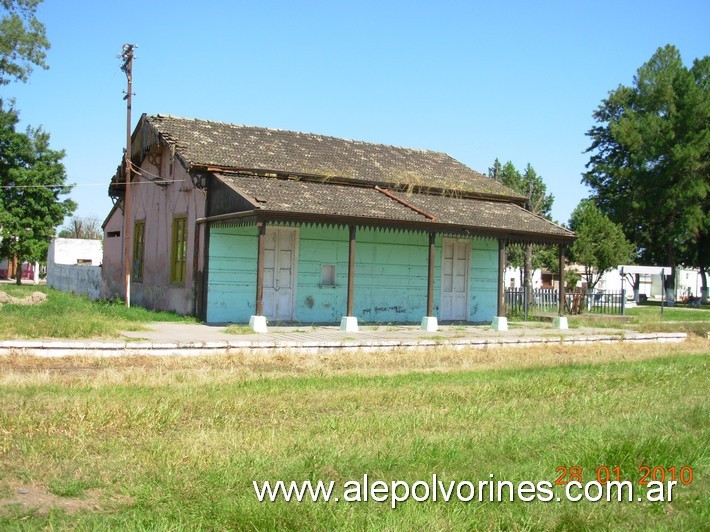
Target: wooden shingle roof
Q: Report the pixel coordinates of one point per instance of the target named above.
(205, 144)
(269, 174)
(312, 201)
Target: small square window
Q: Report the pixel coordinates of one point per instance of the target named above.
(328, 275)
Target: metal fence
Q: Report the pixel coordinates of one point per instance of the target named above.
(546, 300)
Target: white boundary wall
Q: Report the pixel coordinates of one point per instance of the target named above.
(78, 279)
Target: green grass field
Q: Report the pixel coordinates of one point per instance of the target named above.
(676, 319)
(66, 315)
(648, 318)
(173, 444)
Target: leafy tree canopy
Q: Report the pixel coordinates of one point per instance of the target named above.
(650, 158)
(23, 41)
(83, 228)
(531, 185)
(600, 245)
(32, 179)
(527, 183)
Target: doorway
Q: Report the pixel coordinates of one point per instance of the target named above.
(455, 273)
(280, 260)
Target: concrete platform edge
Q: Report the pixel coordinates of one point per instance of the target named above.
(122, 348)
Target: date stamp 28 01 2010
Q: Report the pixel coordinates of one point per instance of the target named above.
(606, 474)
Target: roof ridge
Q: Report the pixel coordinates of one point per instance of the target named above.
(207, 143)
(291, 131)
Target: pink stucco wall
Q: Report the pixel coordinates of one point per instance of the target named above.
(157, 206)
(111, 268)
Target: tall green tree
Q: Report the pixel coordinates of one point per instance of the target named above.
(32, 181)
(509, 176)
(600, 245)
(528, 257)
(23, 40)
(649, 166)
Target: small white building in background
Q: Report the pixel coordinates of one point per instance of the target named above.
(513, 279)
(75, 251)
(688, 281)
(74, 265)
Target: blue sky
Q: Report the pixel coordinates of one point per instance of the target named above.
(477, 80)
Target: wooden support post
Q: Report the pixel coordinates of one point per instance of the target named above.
(348, 323)
(351, 271)
(429, 322)
(430, 276)
(562, 281)
(501, 278)
(260, 270)
(500, 321)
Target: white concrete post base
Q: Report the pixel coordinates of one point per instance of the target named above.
(560, 322)
(258, 324)
(500, 323)
(429, 324)
(348, 324)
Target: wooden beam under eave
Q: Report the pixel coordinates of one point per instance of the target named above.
(561, 310)
(351, 271)
(501, 278)
(260, 269)
(430, 276)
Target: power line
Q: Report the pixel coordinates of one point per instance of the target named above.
(92, 184)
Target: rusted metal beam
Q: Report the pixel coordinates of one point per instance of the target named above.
(405, 203)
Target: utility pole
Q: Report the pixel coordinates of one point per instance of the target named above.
(127, 67)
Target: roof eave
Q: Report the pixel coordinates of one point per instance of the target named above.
(339, 180)
(265, 215)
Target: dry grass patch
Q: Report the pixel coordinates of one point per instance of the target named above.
(175, 443)
(23, 498)
(159, 371)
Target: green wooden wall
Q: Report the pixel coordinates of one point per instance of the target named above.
(483, 300)
(390, 278)
(231, 288)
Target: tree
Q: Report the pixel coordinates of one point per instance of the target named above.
(509, 176)
(600, 245)
(530, 185)
(84, 228)
(650, 160)
(23, 41)
(32, 178)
